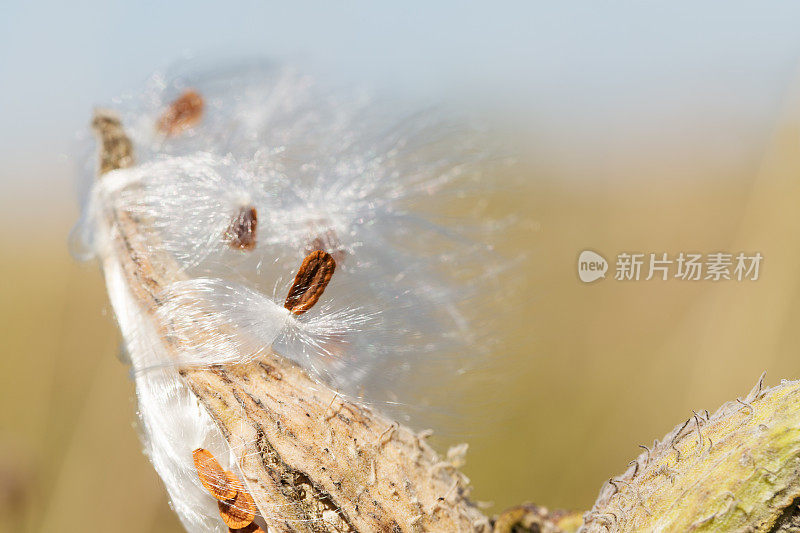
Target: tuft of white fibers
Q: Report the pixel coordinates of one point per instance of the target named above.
(393, 195)
(247, 323)
(172, 422)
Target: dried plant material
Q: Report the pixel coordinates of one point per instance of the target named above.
(252, 528)
(239, 512)
(221, 484)
(531, 517)
(310, 282)
(183, 113)
(233, 482)
(322, 463)
(328, 242)
(733, 470)
(241, 234)
(170, 212)
(116, 149)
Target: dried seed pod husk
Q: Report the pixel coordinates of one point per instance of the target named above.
(240, 511)
(140, 265)
(241, 234)
(221, 484)
(532, 517)
(185, 112)
(313, 276)
(116, 149)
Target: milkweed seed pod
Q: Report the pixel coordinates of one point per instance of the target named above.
(732, 470)
(275, 284)
(267, 264)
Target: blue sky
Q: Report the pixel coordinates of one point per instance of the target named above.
(599, 64)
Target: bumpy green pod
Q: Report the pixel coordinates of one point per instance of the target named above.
(735, 470)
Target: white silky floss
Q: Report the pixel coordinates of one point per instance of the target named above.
(322, 168)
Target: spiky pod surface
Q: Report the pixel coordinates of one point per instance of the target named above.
(737, 469)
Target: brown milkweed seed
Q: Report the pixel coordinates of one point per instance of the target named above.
(240, 511)
(329, 242)
(214, 478)
(183, 113)
(241, 233)
(310, 282)
(252, 528)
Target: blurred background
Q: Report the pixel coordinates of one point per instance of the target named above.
(645, 126)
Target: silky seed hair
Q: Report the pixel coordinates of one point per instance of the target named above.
(325, 168)
(295, 212)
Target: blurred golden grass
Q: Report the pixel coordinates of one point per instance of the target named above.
(608, 366)
(69, 448)
(597, 369)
